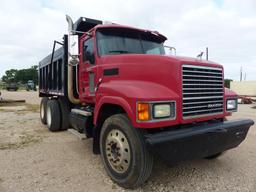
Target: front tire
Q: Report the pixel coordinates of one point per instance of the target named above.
(53, 117)
(124, 153)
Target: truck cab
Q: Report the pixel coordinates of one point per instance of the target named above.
(115, 84)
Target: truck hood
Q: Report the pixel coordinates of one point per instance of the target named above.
(166, 71)
(150, 78)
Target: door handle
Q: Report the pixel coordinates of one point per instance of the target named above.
(98, 84)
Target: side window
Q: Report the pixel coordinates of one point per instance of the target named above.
(88, 51)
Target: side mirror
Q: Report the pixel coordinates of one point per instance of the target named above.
(73, 49)
(171, 50)
(74, 45)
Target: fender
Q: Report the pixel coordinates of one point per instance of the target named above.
(229, 93)
(112, 100)
(128, 92)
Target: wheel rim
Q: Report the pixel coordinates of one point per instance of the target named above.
(49, 116)
(42, 111)
(118, 151)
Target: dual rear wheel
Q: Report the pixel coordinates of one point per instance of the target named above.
(54, 113)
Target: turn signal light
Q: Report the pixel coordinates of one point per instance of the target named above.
(143, 111)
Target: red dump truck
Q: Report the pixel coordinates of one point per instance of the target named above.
(116, 85)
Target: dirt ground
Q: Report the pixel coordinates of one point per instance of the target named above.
(33, 159)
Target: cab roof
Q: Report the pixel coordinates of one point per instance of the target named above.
(117, 26)
(84, 24)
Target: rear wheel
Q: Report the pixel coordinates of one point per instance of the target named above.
(43, 109)
(65, 110)
(53, 118)
(124, 153)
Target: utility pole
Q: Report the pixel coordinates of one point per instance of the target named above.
(241, 73)
(206, 53)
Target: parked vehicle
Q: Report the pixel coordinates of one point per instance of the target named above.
(12, 86)
(30, 85)
(116, 85)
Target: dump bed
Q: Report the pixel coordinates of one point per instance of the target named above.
(53, 72)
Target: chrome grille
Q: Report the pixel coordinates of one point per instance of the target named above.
(202, 90)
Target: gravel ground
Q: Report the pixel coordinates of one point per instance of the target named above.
(33, 159)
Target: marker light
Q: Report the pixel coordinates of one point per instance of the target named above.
(143, 111)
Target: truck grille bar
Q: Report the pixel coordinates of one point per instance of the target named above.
(202, 90)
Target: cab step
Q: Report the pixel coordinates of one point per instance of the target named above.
(80, 136)
(81, 112)
(81, 120)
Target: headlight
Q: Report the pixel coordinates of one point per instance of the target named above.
(166, 110)
(231, 104)
(155, 111)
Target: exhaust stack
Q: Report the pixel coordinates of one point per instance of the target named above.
(72, 61)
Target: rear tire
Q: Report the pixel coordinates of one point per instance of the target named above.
(131, 163)
(53, 117)
(65, 110)
(43, 106)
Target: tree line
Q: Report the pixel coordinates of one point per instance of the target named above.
(22, 75)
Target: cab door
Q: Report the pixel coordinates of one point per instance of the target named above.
(87, 71)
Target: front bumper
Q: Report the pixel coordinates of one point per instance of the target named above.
(198, 141)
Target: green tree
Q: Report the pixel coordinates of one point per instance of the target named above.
(10, 76)
(22, 75)
(227, 82)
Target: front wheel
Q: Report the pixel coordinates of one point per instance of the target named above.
(124, 153)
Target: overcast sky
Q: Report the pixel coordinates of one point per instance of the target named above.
(227, 27)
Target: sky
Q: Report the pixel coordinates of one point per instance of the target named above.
(227, 27)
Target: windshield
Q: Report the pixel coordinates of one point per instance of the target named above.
(122, 41)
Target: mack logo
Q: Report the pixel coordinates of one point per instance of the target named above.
(214, 105)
